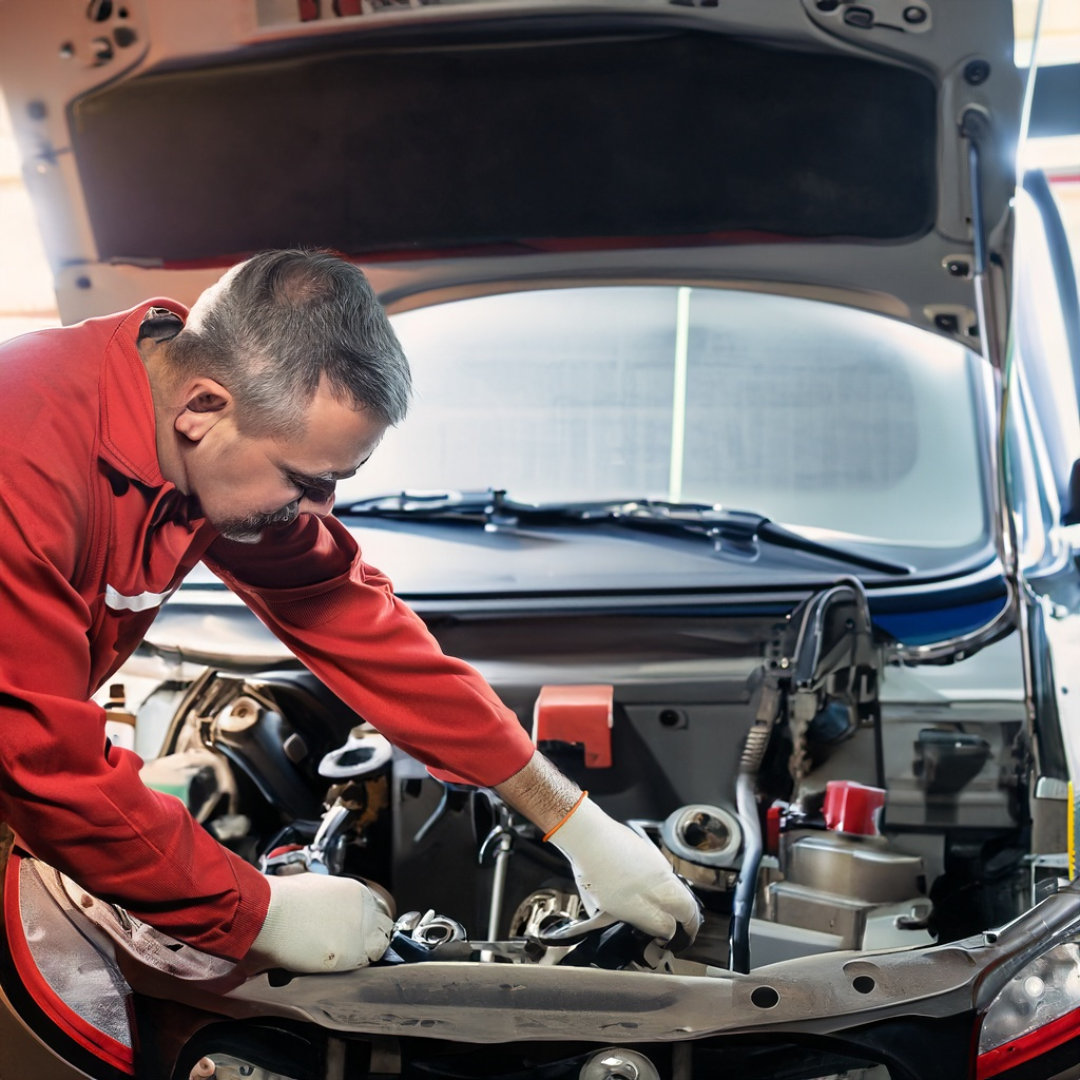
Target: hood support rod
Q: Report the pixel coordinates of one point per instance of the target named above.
(975, 127)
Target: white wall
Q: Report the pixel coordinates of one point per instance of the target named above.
(26, 292)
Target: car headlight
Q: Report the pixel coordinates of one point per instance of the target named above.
(1038, 1010)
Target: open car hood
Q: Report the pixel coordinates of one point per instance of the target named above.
(456, 147)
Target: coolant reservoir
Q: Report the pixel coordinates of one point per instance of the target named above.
(854, 873)
(847, 881)
(853, 888)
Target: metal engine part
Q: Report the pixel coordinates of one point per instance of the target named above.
(430, 929)
(855, 889)
(544, 909)
(364, 752)
(241, 714)
(619, 1063)
(703, 843)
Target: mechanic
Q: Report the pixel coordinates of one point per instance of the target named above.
(136, 445)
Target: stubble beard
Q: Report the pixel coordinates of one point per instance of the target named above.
(250, 529)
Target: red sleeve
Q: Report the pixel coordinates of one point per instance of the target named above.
(87, 814)
(311, 587)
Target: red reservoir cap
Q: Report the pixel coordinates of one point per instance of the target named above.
(853, 808)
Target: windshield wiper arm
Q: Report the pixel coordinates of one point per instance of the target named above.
(736, 531)
(782, 537)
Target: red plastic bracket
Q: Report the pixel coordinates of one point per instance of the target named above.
(577, 714)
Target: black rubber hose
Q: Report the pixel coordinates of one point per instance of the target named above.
(742, 905)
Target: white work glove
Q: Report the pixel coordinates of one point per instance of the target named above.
(621, 873)
(316, 923)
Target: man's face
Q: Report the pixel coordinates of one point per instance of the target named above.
(246, 484)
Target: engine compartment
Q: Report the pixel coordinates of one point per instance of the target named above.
(734, 737)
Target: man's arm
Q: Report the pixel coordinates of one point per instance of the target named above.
(540, 792)
(340, 616)
(83, 810)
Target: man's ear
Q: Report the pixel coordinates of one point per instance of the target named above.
(205, 402)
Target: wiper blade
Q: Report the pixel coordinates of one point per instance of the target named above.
(732, 531)
(492, 507)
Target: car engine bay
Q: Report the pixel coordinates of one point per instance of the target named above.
(810, 812)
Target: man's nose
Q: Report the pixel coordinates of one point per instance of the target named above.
(319, 505)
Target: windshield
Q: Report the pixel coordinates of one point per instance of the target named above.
(818, 416)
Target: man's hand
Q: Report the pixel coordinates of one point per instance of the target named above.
(616, 870)
(621, 873)
(317, 924)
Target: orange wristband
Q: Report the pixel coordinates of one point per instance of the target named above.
(549, 835)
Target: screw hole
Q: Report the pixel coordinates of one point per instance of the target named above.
(670, 718)
(103, 50)
(863, 984)
(765, 997)
(859, 17)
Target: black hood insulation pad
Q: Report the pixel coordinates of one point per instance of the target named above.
(687, 135)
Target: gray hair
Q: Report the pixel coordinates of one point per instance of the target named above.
(274, 327)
